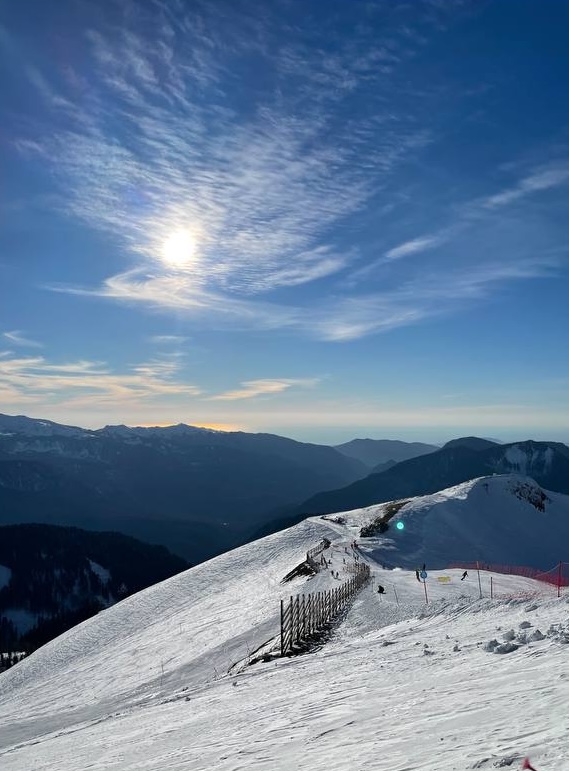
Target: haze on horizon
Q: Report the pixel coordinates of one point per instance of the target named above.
(325, 220)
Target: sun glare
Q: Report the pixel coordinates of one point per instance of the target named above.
(179, 249)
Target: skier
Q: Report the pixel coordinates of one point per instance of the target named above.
(380, 589)
(464, 575)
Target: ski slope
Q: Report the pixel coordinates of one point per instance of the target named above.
(160, 680)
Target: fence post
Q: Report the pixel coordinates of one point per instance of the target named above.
(559, 580)
(491, 588)
(282, 629)
(479, 584)
(293, 622)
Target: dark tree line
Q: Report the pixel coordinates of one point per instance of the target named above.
(56, 577)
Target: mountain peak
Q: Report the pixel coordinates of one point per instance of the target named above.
(471, 442)
(177, 429)
(21, 424)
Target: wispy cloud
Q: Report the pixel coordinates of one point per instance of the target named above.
(474, 211)
(415, 245)
(168, 339)
(253, 388)
(270, 181)
(433, 292)
(92, 385)
(18, 338)
(36, 380)
(262, 188)
(427, 296)
(537, 181)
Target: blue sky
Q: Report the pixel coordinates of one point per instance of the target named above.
(320, 219)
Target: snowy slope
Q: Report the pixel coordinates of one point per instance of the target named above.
(145, 684)
(499, 519)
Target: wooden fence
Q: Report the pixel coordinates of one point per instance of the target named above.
(312, 553)
(303, 617)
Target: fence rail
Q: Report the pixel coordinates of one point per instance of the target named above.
(557, 576)
(304, 616)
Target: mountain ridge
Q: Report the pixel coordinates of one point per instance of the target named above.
(374, 452)
(194, 490)
(547, 462)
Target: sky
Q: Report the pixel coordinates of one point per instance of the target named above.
(318, 219)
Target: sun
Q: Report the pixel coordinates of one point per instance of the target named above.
(179, 249)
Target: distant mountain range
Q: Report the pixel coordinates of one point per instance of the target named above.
(201, 492)
(197, 491)
(383, 452)
(52, 578)
(458, 461)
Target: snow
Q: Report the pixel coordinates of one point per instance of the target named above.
(473, 521)
(159, 681)
(100, 571)
(138, 432)
(55, 447)
(20, 424)
(5, 576)
(523, 462)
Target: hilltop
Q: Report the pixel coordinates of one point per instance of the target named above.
(499, 519)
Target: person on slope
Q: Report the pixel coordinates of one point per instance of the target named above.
(464, 575)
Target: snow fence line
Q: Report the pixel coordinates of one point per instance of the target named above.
(556, 576)
(305, 616)
(311, 553)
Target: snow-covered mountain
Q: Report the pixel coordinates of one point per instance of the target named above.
(495, 519)
(160, 681)
(24, 426)
(142, 433)
(456, 462)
